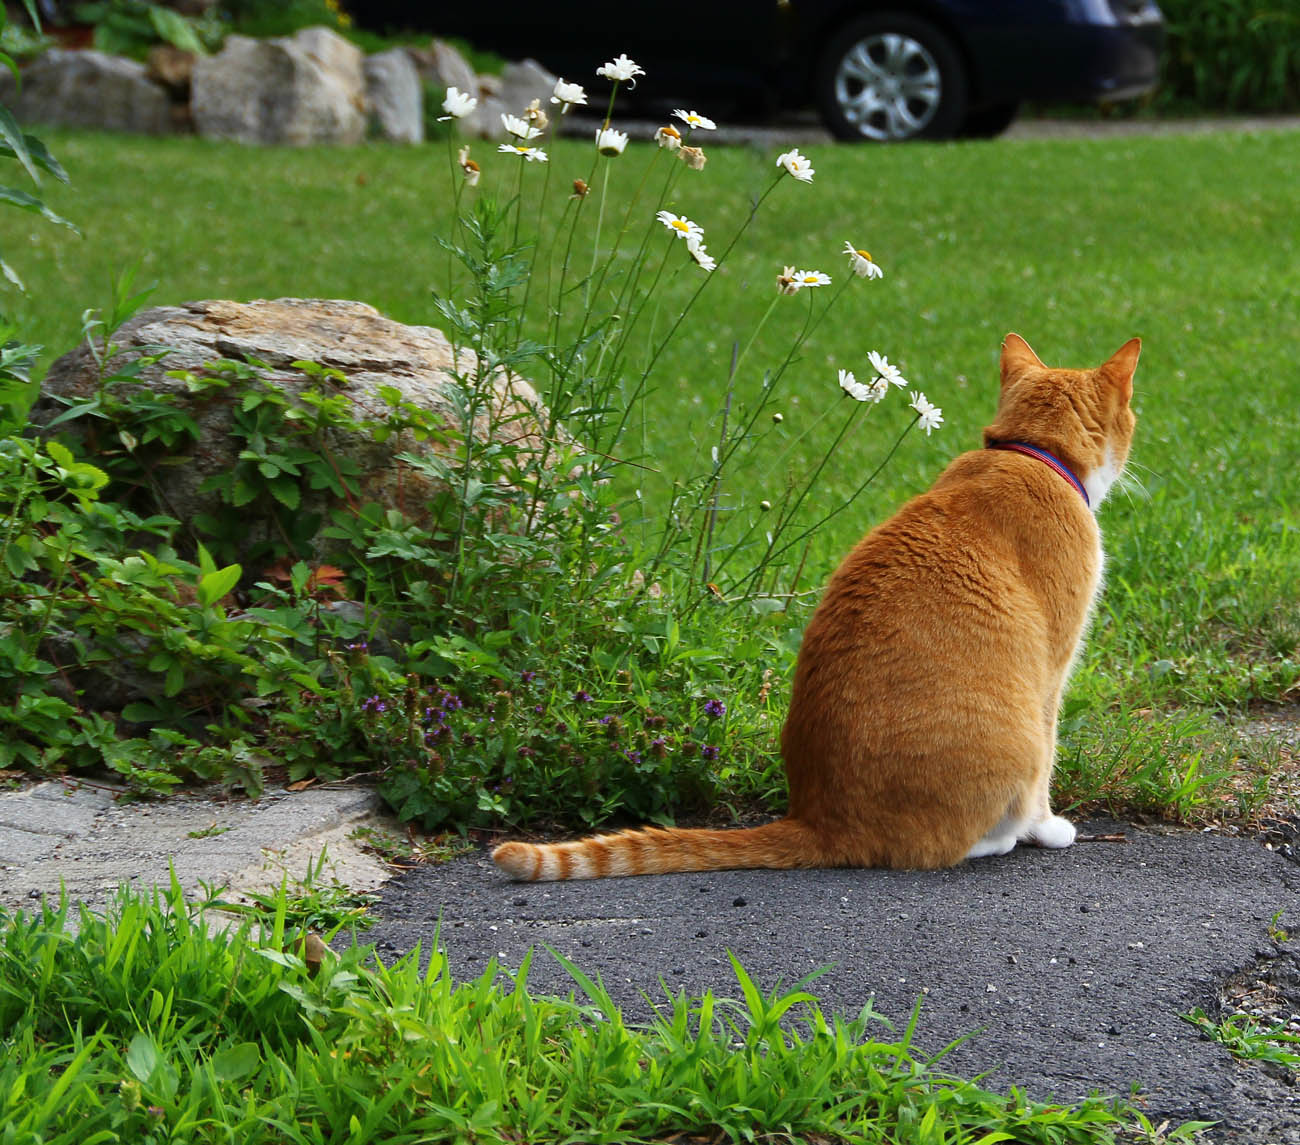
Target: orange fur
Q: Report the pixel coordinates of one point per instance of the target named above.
(922, 724)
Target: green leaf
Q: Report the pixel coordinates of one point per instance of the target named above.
(235, 1063)
(215, 585)
(60, 454)
(26, 202)
(16, 141)
(142, 1057)
(287, 493)
(176, 30)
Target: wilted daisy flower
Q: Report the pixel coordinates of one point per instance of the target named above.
(536, 116)
(889, 372)
(471, 169)
(580, 189)
(668, 136)
(703, 259)
(928, 416)
(796, 165)
(787, 282)
(861, 262)
(813, 278)
(681, 226)
(457, 105)
(693, 157)
(610, 142)
(695, 119)
(568, 94)
(519, 128)
(529, 154)
(621, 70)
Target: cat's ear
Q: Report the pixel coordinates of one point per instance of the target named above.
(1123, 363)
(1017, 357)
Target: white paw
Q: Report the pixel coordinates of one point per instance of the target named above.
(1053, 832)
(992, 845)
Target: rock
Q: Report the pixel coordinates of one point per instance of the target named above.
(448, 68)
(88, 89)
(308, 88)
(370, 350)
(521, 83)
(395, 96)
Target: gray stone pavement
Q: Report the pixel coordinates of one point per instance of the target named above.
(88, 838)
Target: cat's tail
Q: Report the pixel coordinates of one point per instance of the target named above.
(656, 851)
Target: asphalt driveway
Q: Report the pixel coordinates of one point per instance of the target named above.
(1069, 969)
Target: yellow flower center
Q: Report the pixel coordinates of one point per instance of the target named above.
(866, 255)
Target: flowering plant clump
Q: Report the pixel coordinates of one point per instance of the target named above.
(581, 302)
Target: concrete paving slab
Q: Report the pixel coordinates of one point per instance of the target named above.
(89, 839)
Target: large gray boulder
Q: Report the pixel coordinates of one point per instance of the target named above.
(370, 350)
(395, 96)
(301, 89)
(88, 89)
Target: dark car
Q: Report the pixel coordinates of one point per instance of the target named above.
(905, 69)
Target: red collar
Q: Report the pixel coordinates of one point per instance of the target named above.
(1047, 459)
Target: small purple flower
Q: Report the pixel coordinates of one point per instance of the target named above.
(374, 704)
(633, 755)
(526, 752)
(527, 676)
(582, 697)
(715, 708)
(358, 646)
(708, 751)
(538, 709)
(659, 747)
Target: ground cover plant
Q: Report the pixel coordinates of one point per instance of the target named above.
(1200, 617)
(143, 1026)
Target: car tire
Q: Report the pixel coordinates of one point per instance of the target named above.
(989, 122)
(890, 77)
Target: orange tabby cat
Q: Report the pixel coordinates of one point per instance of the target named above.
(922, 725)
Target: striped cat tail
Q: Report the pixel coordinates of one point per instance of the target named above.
(655, 851)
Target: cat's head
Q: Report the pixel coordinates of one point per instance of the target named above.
(1084, 417)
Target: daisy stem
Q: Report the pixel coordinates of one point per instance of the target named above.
(681, 317)
(816, 525)
(595, 246)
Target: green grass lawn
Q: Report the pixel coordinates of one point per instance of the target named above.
(1188, 242)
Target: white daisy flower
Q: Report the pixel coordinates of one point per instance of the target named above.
(457, 105)
(813, 278)
(796, 165)
(568, 94)
(787, 282)
(928, 416)
(701, 256)
(610, 142)
(861, 263)
(529, 154)
(621, 70)
(849, 384)
(681, 226)
(695, 119)
(518, 127)
(668, 136)
(885, 369)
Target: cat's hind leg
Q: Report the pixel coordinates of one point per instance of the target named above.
(1054, 832)
(1002, 838)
